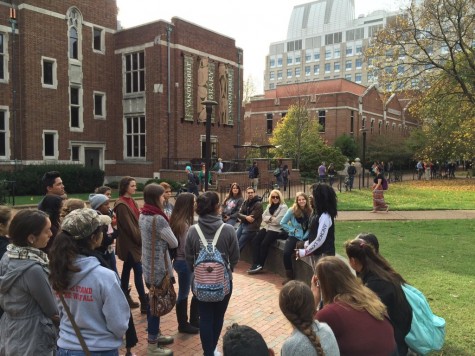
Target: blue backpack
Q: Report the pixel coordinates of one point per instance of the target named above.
(427, 330)
(211, 281)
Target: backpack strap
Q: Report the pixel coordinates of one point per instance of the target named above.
(203, 239)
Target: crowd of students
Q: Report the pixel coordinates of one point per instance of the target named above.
(59, 281)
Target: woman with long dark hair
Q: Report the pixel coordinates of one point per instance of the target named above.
(378, 192)
(321, 237)
(129, 241)
(309, 337)
(52, 205)
(295, 222)
(354, 312)
(152, 214)
(87, 287)
(231, 204)
(378, 275)
(27, 326)
(209, 221)
(180, 222)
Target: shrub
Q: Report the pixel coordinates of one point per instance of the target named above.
(76, 178)
(175, 185)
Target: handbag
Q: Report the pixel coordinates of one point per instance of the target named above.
(162, 298)
(75, 326)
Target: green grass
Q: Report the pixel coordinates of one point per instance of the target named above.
(437, 257)
(458, 194)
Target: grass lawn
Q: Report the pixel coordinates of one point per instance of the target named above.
(456, 194)
(437, 257)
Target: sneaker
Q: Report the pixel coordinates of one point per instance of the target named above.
(255, 269)
(164, 340)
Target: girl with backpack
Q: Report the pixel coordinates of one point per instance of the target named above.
(209, 222)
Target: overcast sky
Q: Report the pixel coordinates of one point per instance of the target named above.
(254, 24)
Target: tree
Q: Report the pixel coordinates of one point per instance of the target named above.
(430, 47)
(298, 135)
(249, 89)
(347, 146)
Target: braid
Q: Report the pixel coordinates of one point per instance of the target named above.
(306, 328)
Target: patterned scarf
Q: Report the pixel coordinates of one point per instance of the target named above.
(28, 253)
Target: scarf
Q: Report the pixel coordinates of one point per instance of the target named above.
(131, 204)
(273, 208)
(28, 253)
(149, 209)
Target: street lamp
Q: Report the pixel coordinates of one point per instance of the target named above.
(209, 109)
(363, 131)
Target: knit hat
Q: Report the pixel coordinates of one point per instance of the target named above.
(188, 168)
(96, 200)
(81, 223)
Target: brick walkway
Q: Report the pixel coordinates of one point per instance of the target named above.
(254, 303)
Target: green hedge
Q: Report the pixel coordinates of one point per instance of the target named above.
(76, 178)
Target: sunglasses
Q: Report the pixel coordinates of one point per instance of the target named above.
(275, 197)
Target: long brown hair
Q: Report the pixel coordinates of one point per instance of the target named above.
(371, 262)
(230, 194)
(182, 214)
(297, 303)
(338, 284)
(299, 212)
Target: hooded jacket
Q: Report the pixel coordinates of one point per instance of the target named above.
(28, 303)
(98, 305)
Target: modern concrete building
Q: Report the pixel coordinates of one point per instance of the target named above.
(325, 40)
(75, 88)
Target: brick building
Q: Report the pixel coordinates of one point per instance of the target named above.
(341, 106)
(75, 88)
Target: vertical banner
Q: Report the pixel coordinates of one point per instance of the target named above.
(188, 88)
(223, 94)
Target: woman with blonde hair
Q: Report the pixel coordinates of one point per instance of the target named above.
(70, 205)
(271, 231)
(295, 222)
(310, 337)
(355, 314)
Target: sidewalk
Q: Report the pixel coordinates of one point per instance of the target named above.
(255, 298)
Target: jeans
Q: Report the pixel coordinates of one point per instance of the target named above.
(261, 244)
(289, 248)
(110, 259)
(184, 279)
(130, 264)
(153, 326)
(244, 235)
(211, 323)
(64, 352)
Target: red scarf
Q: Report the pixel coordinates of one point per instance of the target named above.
(131, 204)
(149, 209)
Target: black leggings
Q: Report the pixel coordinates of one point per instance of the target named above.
(289, 250)
(261, 244)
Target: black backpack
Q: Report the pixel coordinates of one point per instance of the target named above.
(197, 179)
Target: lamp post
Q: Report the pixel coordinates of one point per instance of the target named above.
(209, 109)
(363, 131)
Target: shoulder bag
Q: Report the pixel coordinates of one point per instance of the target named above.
(162, 297)
(75, 326)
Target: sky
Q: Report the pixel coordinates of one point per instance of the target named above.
(253, 24)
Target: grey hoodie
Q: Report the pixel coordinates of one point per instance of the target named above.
(98, 305)
(28, 302)
(227, 243)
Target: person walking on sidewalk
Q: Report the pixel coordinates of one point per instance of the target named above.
(180, 222)
(295, 223)
(129, 241)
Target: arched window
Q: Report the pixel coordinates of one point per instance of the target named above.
(74, 33)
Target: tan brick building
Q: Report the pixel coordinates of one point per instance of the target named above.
(75, 88)
(341, 106)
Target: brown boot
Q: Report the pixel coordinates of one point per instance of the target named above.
(289, 275)
(132, 304)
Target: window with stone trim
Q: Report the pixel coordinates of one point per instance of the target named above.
(50, 144)
(321, 119)
(98, 39)
(3, 61)
(3, 134)
(75, 101)
(74, 33)
(135, 137)
(135, 72)
(49, 77)
(99, 105)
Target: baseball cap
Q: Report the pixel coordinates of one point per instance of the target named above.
(81, 223)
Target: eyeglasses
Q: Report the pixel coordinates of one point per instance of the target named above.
(275, 197)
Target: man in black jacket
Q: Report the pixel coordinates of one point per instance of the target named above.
(250, 215)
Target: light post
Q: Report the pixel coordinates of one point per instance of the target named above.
(363, 131)
(209, 109)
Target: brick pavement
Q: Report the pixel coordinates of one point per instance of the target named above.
(254, 303)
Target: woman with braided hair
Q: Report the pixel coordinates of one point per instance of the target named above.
(309, 337)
